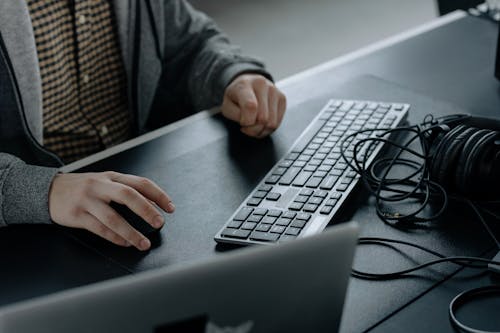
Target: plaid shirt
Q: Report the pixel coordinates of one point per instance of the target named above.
(83, 78)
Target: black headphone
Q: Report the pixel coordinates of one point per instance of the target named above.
(464, 155)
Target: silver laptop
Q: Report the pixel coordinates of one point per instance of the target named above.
(298, 286)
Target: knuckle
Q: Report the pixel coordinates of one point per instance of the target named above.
(100, 229)
(88, 186)
(76, 211)
(126, 192)
(262, 119)
(144, 182)
(110, 174)
(250, 106)
(261, 81)
(113, 221)
(133, 237)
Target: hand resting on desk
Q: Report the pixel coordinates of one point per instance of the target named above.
(81, 200)
(255, 103)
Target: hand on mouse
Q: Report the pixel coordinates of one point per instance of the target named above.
(81, 200)
(255, 103)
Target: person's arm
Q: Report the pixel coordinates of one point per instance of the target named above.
(198, 55)
(24, 191)
(40, 195)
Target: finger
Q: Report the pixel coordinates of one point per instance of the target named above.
(230, 110)
(93, 225)
(114, 221)
(281, 107)
(261, 92)
(272, 123)
(147, 188)
(253, 131)
(248, 103)
(130, 197)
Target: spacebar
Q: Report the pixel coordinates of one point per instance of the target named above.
(308, 136)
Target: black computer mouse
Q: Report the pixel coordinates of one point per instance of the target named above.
(134, 220)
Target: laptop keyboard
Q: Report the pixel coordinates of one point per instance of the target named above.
(306, 188)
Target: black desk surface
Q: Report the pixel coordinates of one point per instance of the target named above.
(208, 168)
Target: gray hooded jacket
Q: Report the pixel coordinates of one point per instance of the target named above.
(175, 58)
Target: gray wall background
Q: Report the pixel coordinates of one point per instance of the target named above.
(293, 35)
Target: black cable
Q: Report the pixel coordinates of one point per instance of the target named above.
(464, 261)
(466, 297)
(416, 185)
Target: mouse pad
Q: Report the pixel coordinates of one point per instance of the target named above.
(208, 167)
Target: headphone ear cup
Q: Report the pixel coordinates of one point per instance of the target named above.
(435, 149)
(464, 165)
(450, 154)
(478, 170)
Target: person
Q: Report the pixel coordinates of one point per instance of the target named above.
(78, 76)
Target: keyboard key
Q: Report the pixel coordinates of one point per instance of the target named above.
(286, 164)
(342, 187)
(289, 176)
(310, 208)
(335, 195)
(286, 238)
(265, 188)
(296, 206)
(235, 233)
(254, 202)
(248, 225)
(260, 211)
(274, 213)
(259, 194)
(264, 236)
(304, 158)
(279, 171)
(320, 174)
(269, 219)
(234, 224)
(314, 182)
(263, 227)
(289, 215)
(254, 218)
(307, 192)
(292, 231)
(277, 229)
(301, 198)
(273, 196)
(283, 221)
(298, 224)
(315, 201)
(292, 156)
(319, 156)
(273, 179)
(243, 214)
(328, 182)
(326, 210)
(302, 178)
(331, 202)
(299, 164)
(309, 151)
(320, 193)
(325, 168)
(303, 216)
